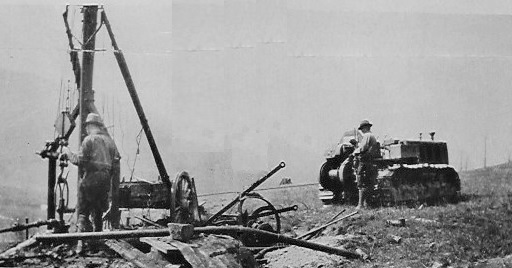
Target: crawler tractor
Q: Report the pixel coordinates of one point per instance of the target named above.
(408, 172)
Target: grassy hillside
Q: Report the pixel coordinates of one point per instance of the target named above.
(460, 234)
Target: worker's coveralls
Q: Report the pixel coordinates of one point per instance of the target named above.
(367, 151)
(98, 157)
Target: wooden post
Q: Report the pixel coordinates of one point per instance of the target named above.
(86, 101)
(52, 179)
(26, 231)
(89, 44)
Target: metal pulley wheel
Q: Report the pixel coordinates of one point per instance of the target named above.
(184, 205)
(61, 195)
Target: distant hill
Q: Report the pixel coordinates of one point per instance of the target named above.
(22, 134)
(504, 168)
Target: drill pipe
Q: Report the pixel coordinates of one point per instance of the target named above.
(268, 213)
(248, 190)
(327, 225)
(225, 230)
(21, 227)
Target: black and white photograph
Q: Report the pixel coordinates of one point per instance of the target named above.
(256, 133)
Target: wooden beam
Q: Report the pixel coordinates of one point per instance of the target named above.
(161, 246)
(133, 255)
(18, 247)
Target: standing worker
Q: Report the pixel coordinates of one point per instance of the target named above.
(98, 158)
(366, 152)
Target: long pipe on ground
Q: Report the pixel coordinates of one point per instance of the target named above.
(327, 225)
(225, 230)
(269, 213)
(21, 227)
(310, 234)
(307, 235)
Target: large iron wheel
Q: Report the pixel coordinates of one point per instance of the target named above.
(263, 217)
(184, 205)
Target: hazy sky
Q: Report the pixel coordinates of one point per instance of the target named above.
(298, 71)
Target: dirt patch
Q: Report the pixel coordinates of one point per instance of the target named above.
(302, 257)
(495, 262)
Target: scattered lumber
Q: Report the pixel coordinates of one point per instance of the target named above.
(17, 248)
(225, 230)
(159, 245)
(133, 255)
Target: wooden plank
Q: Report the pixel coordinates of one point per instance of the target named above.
(17, 248)
(211, 251)
(135, 256)
(190, 255)
(161, 246)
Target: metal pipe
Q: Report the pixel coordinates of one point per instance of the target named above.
(26, 231)
(136, 102)
(305, 236)
(336, 216)
(52, 179)
(327, 225)
(148, 221)
(225, 230)
(236, 230)
(21, 227)
(309, 235)
(248, 190)
(102, 235)
(268, 213)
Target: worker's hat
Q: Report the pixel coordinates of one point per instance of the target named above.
(364, 123)
(94, 118)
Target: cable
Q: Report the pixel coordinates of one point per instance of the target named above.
(264, 189)
(121, 126)
(94, 34)
(113, 118)
(137, 139)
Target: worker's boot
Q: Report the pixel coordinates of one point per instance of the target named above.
(80, 247)
(361, 203)
(83, 225)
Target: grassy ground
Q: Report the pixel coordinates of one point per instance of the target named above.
(458, 235)
(476, 228)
